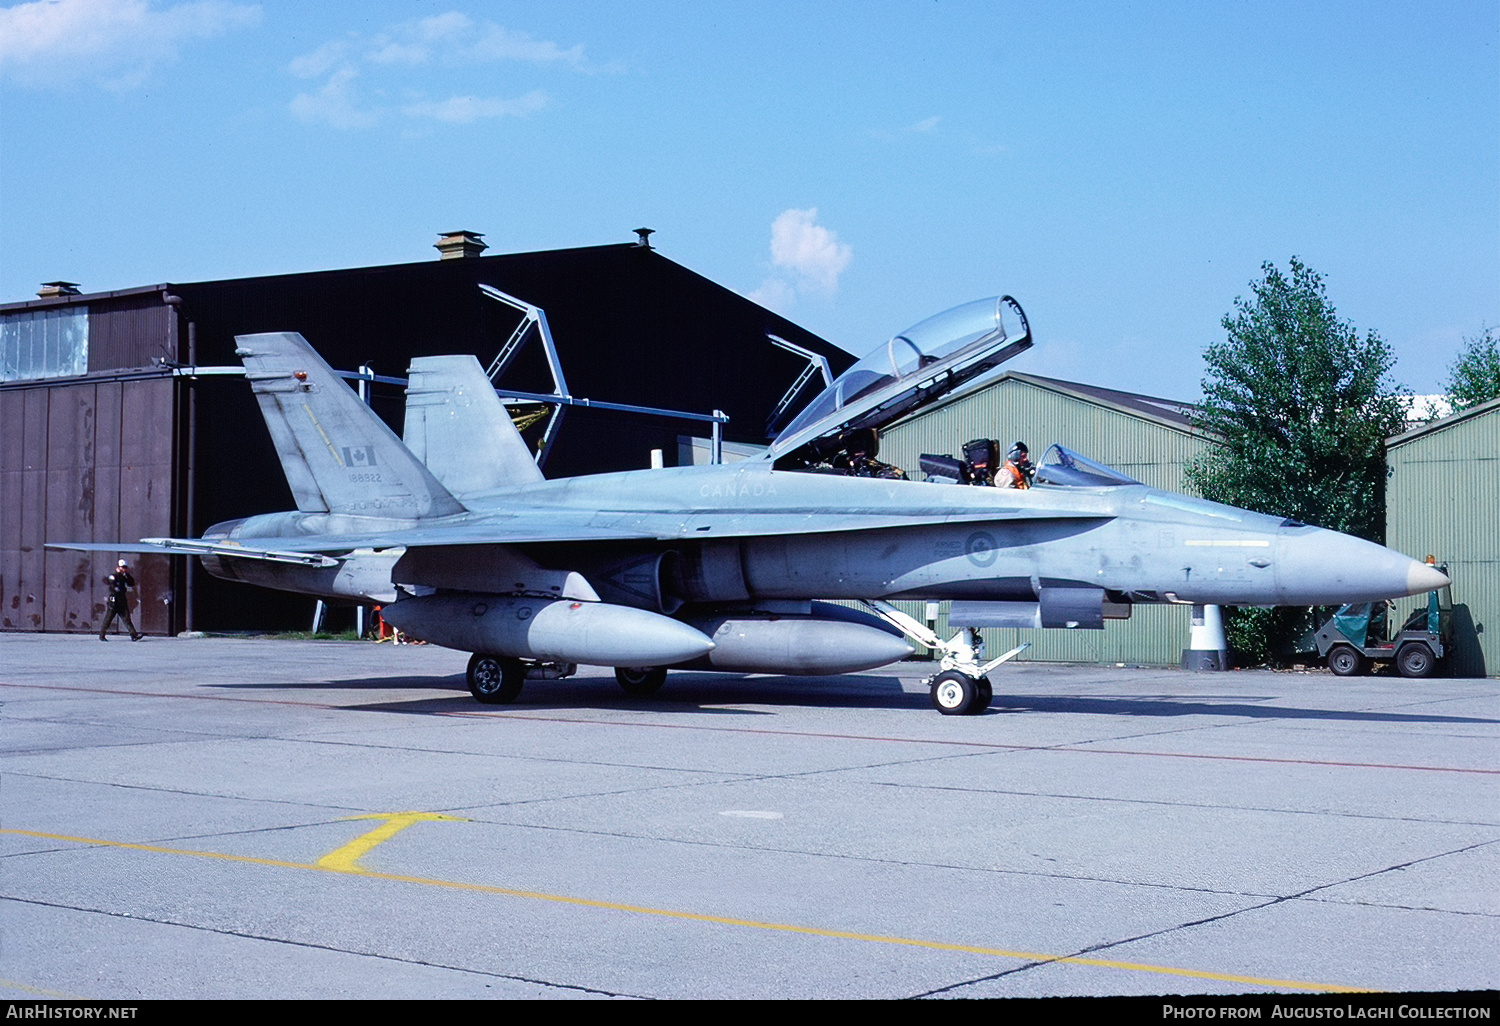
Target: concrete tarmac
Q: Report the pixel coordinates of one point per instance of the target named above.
(224, 818)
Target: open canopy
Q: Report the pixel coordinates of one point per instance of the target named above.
(920, 365)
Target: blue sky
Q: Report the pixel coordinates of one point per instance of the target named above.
(1122, 169)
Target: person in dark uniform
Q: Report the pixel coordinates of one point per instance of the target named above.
(979, 456)
(120, 582)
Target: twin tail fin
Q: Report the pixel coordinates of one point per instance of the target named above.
(339, 457)
(459, 428)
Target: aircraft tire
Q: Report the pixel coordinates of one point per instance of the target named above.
(640, 681)
(954, 693)
(984, 696)
(1345, 661)
(495, 680)
(1414, 660)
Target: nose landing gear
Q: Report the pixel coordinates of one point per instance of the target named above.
(961, 687)
(955, 694)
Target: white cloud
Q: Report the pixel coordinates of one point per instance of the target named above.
(925, 125)
(453, 25)
(808, 258)
(322, 60)
(461, 110)
(414, 42)
(114, 42)
(334, 104)
(775, 294)
(811, 252)
(409, 54)
(497, 43)
(445, 41)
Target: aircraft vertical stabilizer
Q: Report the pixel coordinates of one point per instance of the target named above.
(339, 457)
(458, 427)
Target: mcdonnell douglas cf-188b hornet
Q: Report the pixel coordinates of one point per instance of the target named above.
(457, 534)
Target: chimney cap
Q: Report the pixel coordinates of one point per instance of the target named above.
(645, 237)
(53, 289)
(460, 244)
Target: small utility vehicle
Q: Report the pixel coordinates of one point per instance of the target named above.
(1354, 638)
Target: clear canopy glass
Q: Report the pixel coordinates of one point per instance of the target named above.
(1064, 467)
(906, 355)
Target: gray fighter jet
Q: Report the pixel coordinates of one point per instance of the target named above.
(730, 567)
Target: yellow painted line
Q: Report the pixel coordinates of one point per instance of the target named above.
(344, 859)
(698, 917)
(38, 991)
(326, 440)
(159, 850)
(1230, 543)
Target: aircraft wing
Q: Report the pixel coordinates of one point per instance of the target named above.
(550, 526)
(198, 547)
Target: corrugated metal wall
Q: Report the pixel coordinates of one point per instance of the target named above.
(83, 462)
(1150, 451)
(1443, 498)
(130, 331)
(1013, 409)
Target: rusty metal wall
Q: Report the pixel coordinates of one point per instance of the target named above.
(83, 462)
(130, 331)
(15, 612)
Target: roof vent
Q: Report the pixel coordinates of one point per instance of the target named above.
(54, 289)
(645, 237)
(458, 245)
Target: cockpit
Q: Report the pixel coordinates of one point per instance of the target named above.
(838, 432)
(1060, 467)
(919, 365)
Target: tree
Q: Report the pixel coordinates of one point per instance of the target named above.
(1302, 405)
(1475, 378)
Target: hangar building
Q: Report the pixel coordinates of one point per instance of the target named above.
(123, 415)
(1443, 498)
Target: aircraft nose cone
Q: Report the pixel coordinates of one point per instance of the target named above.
(1422, 577)
(1324, 568)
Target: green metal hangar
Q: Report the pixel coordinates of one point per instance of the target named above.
(1443, 499)
(1148, 438)
(125, 414)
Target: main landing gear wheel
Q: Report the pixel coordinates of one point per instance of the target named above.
(1345, 661)
(1414, 660)
(495, 680)
(641, 680)
(957, 694)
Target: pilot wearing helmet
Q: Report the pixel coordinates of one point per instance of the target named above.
(120, 582)
(1017, 470)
